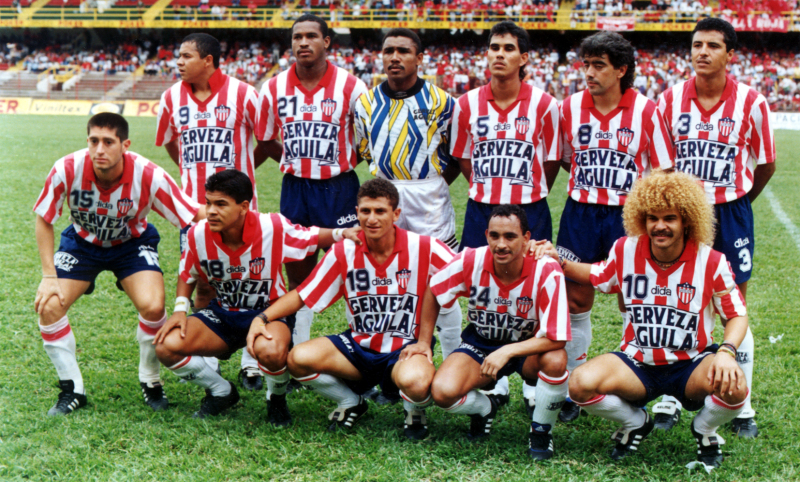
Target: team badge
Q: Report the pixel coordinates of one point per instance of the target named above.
(726, 125)
(402, 277)
(256, 265)
(625, 136)
(124, 205)
(222, 112)
(328, 107)
(522, 124)
(524, 305)
(686, 292)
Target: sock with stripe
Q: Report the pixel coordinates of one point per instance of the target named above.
(59, 344)
(715, 413)
(248, 361)
(195, 369)
(276, 381)
(744, 356)
(302, 325)
(500, 387)
(410, 405)
(550, 396)
(149, 365)
(449, 325)
(472, 403)
(613, 408)
(578, 347)
(331, 388)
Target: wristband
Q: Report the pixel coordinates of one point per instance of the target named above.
(263, 318)
(50, 276)
(337, 235)
(181, 304)
(727, 350)
(730, 346)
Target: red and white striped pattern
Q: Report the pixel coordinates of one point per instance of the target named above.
(315, 125)
(533, 306)
(213, 135)
(383, 300)
(507, 147)
(722, 145)
(250, 277)
(608, 153)
(108, 217)
(669, 313)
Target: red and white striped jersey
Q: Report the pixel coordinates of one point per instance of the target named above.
(214, 135)
(533, 306)
(383, 300)
(108, 217)
(669, 313)
(507, 147)
(608, 153)
(316, 126)
(249, 278)
(723, 145)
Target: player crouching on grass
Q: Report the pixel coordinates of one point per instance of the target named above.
(673, 283)
(239, 252)
(109, 192)
(519, 322)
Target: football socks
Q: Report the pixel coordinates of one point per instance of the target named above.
(473, 403)
(578, 347)
(59, 344)
(196, 370)
(715, 413)
(449, 324)
(277, 382)
(612, 407)
(550, 396)
(302, 325)
(148, 363)
(331, 388)
(745, 355)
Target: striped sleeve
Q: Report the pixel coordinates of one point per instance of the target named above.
(189, 270)
(727, 298)
(762, 140)
(550, 131)
(51, 199)
(251, 108)
(361, 124)
(440, 256)
(660, 147)
(449, 283)
(265, 113)
(564, 126)
(165, 131)
(460, 131)
(298, 242)
(604, 273)
(552, 306)
(170, 202)
(325, 285)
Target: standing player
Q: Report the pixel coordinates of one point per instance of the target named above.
(206, 123)
(383, 281)
(723, 136)
(404, 122)
(611, 136)
(109, 192)
(519, 323)
(504, 136)
(673, 285)
(310, 106)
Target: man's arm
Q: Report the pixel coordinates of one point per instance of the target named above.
(183, 293)
(724, 373)
(326, 238)
(761, 177)
(286, 305)
(466, 167)
(267, 149)
(174, 150)
(493, 363)
(550, 173)
(578, 272)
(49, 286)
(451, 172)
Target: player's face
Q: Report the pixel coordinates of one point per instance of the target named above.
(190, 65)
(601, 76)
(308, 44)
(376, 217)
(505, 59)
(708, 53)
(506, 239)
(665, 229)
(222, 212)
(400, 59)
(105, 148)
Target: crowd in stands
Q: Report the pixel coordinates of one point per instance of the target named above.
(122, 58)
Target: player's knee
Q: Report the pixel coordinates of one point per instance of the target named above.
(300, 361)
(52, 311)
(269, 354)
(553, 363)
(152, 311)
(169, 351)
(444, 392)
(581, 385)
(414, 384)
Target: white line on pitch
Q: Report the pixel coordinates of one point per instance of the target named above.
(783, 217)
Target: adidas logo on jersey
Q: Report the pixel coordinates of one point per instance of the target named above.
(742, 242)
(103, 205)
(202, 115)
(704, 126)
(308, 108)
(502, 301)
(604, 135)
(381, 282)
(235, 269)
(347, 219)
(661, 291)
(502, 127)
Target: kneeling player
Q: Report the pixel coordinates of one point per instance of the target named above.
(239, 253)
(109, 191)
(382, 281)
(519, 323)
(672, 283)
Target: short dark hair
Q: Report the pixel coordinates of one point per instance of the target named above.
(508, 210)
(404, 32)
(620, 52)
(523, 40)
(713, 24)
(375, 188)
(309, 17)
(206, 45)
(109, 120)
(231, 183)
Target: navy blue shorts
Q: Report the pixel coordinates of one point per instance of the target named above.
(587, 232)
(735, 236)
(667, 379)
(478, 348)
(81, 260)
(233, 326)
(375, 368)
(326, 203)
(476, 221)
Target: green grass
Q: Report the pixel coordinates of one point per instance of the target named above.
(118, 438)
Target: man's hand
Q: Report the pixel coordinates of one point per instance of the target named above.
(177, 319)
(538, 249)
(352, 234)
(257, 328)
(493, 363)
(48, 287)
(416, 349)
(724, 374)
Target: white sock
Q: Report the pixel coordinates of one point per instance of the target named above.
(196, 370)
(449, 324)
(410, 405)
(668, 398)
(550, 396)
(578, 347)
(149, 365)
(248, 361)
(715, 413)
(613, 408)
(472, 403)
(59, 344)
(212, 362)
(331, 388)
(745, 356)
(500, 388)
(276, 381)
(302, 325)
(529, 392)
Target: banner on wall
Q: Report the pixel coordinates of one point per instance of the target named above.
(15, 105)
(758, 23)
(140, 108)
(616, 24)
(785, 120)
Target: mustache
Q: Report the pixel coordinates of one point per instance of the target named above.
(664, 232)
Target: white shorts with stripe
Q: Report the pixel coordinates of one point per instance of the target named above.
(425, 208)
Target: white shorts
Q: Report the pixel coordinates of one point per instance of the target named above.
(425, 208)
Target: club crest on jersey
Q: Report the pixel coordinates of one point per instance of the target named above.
(256, 265)
(686, 292)
(222, 112)
(524, 305)
(328, 107)
(522, 124)
(402, 277)
(124, 205)
(726, 125)
(625, 136)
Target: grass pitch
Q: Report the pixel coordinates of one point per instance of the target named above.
(118, 438)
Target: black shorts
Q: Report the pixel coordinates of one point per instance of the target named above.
(478, 348)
